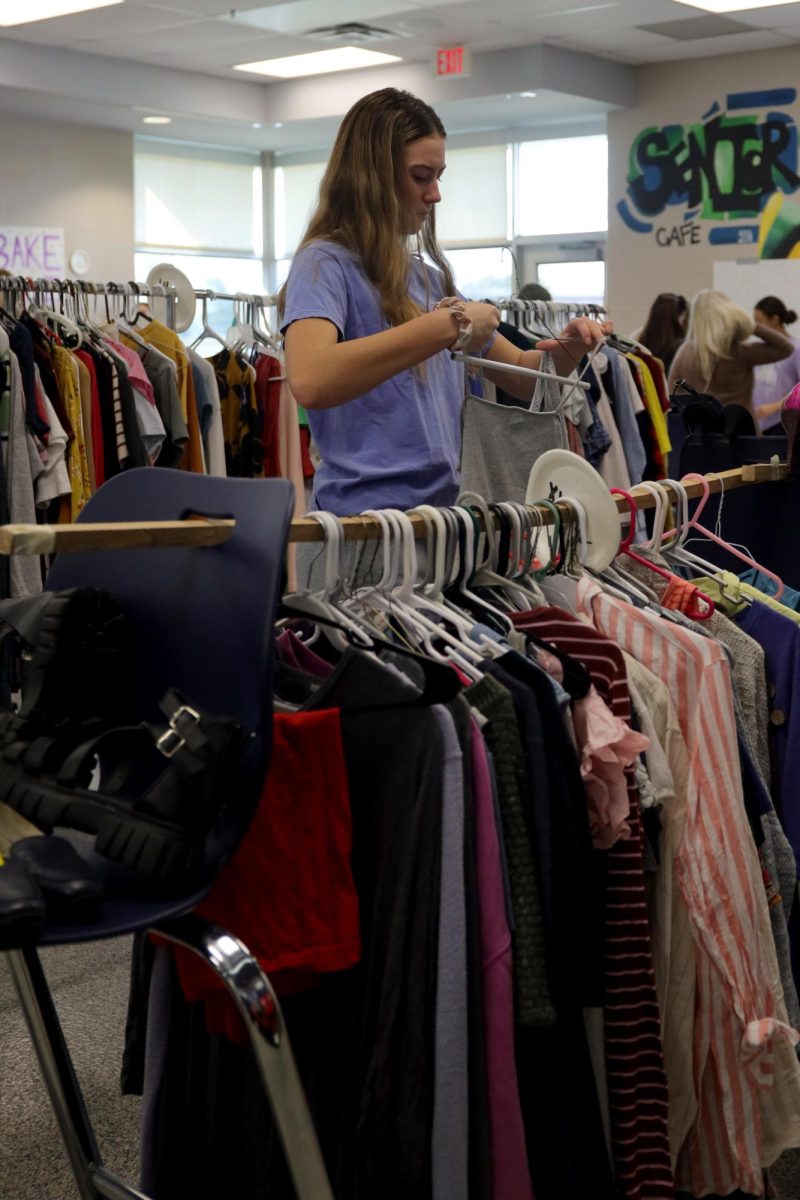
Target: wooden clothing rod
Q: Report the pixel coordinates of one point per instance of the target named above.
(116, 535)
(360, 529)
(140, 535)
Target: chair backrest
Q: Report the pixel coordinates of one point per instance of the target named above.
(202, 617)
(202, 621)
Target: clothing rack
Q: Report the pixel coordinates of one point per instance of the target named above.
(550, 308)
(359, 529)
(259, 301)
(49, 539)
(82, 289)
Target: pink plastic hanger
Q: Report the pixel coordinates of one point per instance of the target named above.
(694, 523)
(703, 606)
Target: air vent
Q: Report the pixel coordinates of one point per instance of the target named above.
(353, 33)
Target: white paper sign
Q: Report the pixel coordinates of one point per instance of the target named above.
(32, 250)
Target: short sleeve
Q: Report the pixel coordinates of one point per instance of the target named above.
(316, 287)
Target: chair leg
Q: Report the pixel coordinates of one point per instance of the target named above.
(92, 1178)
(258, 1005)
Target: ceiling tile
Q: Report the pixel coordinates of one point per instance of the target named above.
(710, 47)
(616, 41)
(690, 30)
(303, 15)
(208, 8)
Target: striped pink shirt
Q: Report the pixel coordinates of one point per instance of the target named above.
(637, 1085)
(746, 1075)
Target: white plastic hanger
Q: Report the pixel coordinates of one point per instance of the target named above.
(321, 603)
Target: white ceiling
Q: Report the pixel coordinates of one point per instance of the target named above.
(206, 39)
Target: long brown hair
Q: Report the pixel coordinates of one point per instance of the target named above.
(360, 196)
(666, 326)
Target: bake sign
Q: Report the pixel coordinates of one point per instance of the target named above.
(32, 250)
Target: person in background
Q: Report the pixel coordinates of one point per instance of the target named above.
(665, 328)
(717, 359)
(774, 381)
(534, 291)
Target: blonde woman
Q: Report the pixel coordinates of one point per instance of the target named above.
(367, 347)
(717, 357)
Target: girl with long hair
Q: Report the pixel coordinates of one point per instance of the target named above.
(717, 357)
(774, 381)
(370, 312)
(665, 328)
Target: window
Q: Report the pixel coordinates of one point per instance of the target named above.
(575, 281)
(296, 190)
(562, 186)
(216, 274)
(200, 209)
(482, 274)
(474, 205)
(197, 200)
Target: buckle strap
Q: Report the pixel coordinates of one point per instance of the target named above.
(183, 730)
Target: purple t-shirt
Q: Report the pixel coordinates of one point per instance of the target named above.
(774, 381)
(399, 444)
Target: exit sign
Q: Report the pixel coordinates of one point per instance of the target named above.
(453, 62)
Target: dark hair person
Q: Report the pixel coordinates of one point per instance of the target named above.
(665, 328)
(774, 381)
(370, 313)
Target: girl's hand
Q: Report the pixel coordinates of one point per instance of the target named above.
(577, 338)
(485, 319)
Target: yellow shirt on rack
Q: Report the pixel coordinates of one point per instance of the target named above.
(65, 369)
(653, 405)
(168, 342)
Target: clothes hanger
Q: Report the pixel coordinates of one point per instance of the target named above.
(560, 588)
(617, 572)
(207, 331)
(444, 575)
(678, 553)
(393, 594)
(702, 606)
(517, 597)
(460, 594)
(525, 567)
(320, 602)
(462, 643)
(694, 523)
(58, 322)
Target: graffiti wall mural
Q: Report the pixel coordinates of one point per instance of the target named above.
(723, 181)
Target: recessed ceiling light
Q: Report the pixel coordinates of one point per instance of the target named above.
(256, 124)
(320, 62)
(13, 13)
(278, 125)
(726, 6)
(156, 120)
(527, 95)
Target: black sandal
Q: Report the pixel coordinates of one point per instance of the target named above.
(160, 790)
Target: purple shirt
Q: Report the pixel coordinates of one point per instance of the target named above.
(399, 444)
(774, 381)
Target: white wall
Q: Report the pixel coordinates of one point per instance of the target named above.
(681, 94)
(74, 177)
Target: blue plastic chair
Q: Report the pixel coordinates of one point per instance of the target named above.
(202, 621)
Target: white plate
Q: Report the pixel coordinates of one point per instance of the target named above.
(168, 275)
(575, 477)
